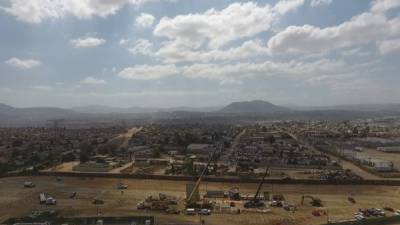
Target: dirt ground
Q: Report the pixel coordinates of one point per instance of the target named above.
(393, 157)
(18, 201)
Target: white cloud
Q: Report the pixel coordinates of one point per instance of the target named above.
(252, 48)
(239, 71)
(370, 26)
(93, 80)
(145, 20)
(316, 3)
(384, 5)
(148, 72)
(123, 41)
(284, 6)
(87, 42)
(234, 73)
(42, 87)
(389, 46)
(35, 11)
(216, 28)
(361, 29)
(141, 46)
(23, 63)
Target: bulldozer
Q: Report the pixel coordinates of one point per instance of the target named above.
(316, 202)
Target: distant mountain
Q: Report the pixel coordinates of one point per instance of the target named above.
(235, 112)
(98, 109)
(388, 107)
(12, 115)
(256, 106)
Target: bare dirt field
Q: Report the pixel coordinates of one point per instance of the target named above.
(393, 157)
(18, 201)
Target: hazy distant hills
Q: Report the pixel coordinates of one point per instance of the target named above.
(256, 106)
(10, 115)
(108, 110)
(236, 111)
(389, 107)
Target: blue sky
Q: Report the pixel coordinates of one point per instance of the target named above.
(166, 53)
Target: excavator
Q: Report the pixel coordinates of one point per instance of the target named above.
(316, 202)
(256, 202)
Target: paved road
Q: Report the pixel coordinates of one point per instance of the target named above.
(128, 135)
(228, 152)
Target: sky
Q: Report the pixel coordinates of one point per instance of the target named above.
(170, 53)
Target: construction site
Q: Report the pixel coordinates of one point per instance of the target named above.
(181, 202)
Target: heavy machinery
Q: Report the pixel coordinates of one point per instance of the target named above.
(162, 202)
(351, 199)
(192, 199)
(318, 212)
(316, 202)
(256, 202)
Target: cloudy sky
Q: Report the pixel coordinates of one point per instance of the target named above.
(166, 53)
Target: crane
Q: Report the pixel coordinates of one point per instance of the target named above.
(190, 200)
(255, 202)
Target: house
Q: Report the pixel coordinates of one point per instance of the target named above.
(200, 149)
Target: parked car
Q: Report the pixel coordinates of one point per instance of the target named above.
(190, 211)
(122, 186)
(205, 212)
(29, 184)
(51, 201)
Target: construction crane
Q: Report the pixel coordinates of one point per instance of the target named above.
(191, 201)
(255, 202)
(316, 202)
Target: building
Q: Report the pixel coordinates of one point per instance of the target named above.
(389, 149)
(200, 149)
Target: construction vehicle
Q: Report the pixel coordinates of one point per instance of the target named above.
(318, 212)
(97, 201)
(234, 194)
(169, 199)
(316, 202)
(162, 202)
(73, 195)
(172, 210)
(351, 199)
(192, 198)
(256, 202)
